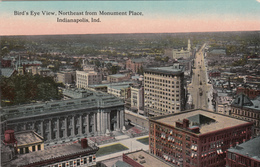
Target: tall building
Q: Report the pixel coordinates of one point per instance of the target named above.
(196, 138)
(95, 113)
(244, 108)
(86, 78)
(245, 154)
(164, 90)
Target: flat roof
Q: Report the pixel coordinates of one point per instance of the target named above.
(248, 148)
(150, 160)
(176, 70)
(53, 152)
(211, 121)
(27, 137)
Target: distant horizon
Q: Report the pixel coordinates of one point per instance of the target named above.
(256, 31)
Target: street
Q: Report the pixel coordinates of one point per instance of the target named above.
(199, 88)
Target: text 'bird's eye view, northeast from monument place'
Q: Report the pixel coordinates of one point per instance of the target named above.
(130, 83)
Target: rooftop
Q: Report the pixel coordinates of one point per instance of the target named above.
(117, 75)
(94, 100)
(206, 120)
(61, 151)
(248, 148)
(176, 70)
(27, 137)
(148, 159)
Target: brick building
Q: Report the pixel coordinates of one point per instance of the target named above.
(245, 154)
(244, 108)
(250, 92)
(196, 137)
(135, 64)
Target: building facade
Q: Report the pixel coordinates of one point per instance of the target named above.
(135, 64)
(137, 97)
(196, 137)
(65, 120)
(86, 78)
(245, 154)
(118, 78)
(244, 108)
(164, 90)
(64, 77)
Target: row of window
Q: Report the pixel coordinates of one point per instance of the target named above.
(76, 162)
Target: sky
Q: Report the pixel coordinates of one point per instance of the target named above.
(157, 17)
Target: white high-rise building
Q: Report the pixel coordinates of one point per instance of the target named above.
(164, 90)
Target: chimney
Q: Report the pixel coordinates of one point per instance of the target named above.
(84, 143)
(9, 137)
(186, 123)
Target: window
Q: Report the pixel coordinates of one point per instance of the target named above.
(26, 150)
(39, 147)
(90, 159)
(21, 151)
(33, 148)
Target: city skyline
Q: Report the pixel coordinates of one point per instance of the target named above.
(157, 17)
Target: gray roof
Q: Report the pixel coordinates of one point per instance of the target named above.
(117, 75)
(121, 164)
(249, 148)
(200, 119)
(244, 101)
(7, 72)
(140, 60)
(61, 151)
(95, 100)
(174, 70)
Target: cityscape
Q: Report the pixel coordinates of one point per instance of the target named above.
(131, 100)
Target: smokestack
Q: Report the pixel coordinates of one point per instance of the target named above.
(84, 143)
(9, 137)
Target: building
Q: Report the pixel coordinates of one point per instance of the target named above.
(84, 79)
(181, 53)
(65, 77)
(28, 141)
(245, 154)
(250, 92)
(196, 137)
(214, 73)
(135, 64)
(118, 78)
(137, 97)
(244, 108)
(164, 90)
(121, 90)
(223, 103)
(96, 113)
(78, 153)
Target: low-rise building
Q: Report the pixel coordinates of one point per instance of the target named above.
(78, 153)
(118, 78)
(86, 78)
(244, 108)
(245, 154)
